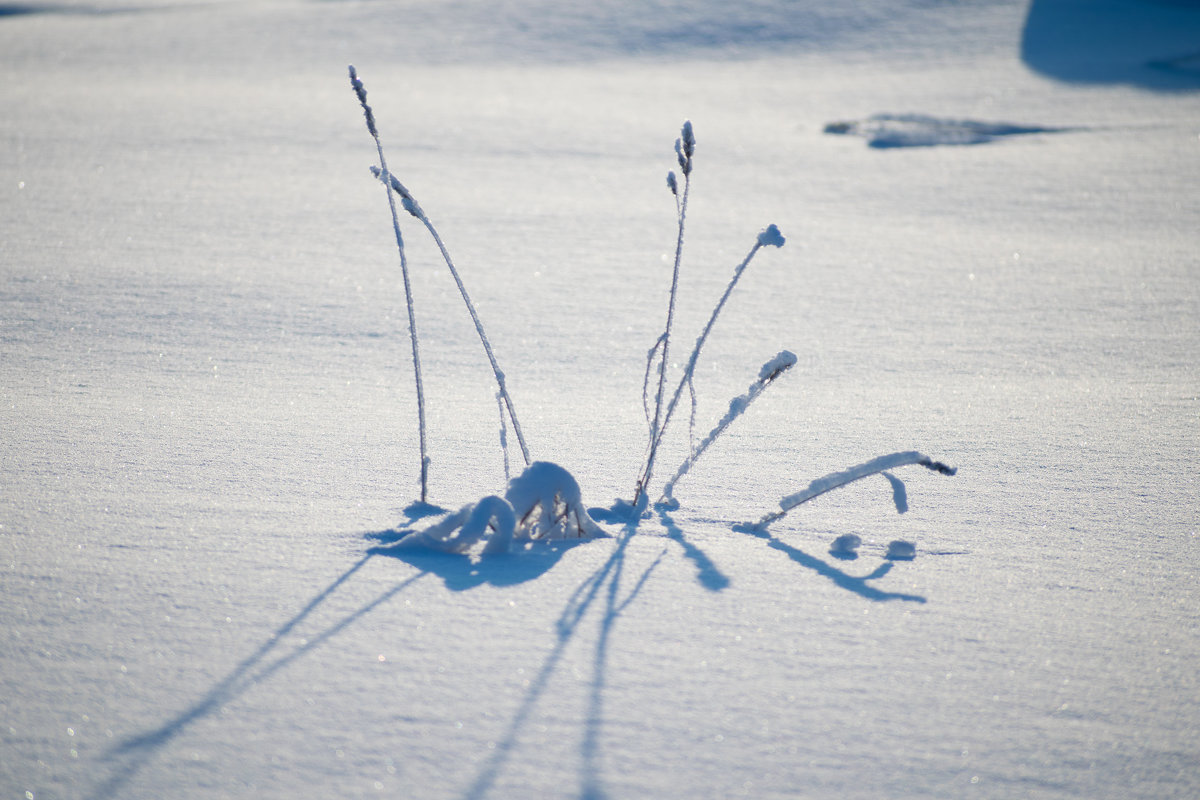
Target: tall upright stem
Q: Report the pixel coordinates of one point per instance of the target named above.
(655, 428)
(361, 92)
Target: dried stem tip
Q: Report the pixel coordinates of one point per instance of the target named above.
(685, 148)
(361, 92)
(689, 139)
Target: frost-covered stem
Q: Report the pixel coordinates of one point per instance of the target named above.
(771, 370)
(684, 149)
(487, 345)
(361, 92)
(414, 208)
(836, 480)
(650, 354)
(690, 370)
(768, 236)
(503, 437)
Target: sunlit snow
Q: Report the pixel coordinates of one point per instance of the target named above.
(211, 461)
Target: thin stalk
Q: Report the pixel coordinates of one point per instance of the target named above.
(690, 370)
(487, 346)
(414, 208)
(503, 439)
(655, 427)
(767, 375)
(361, 92)
(768, 236)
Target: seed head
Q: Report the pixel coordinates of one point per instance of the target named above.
(672, 183)
(361, 92)
(689, 139)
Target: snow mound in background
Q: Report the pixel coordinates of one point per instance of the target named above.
(543, 502)
(922, 130)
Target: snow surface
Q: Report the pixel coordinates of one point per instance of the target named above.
(209, 424)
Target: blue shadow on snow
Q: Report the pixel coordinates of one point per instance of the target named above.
(1151, 44)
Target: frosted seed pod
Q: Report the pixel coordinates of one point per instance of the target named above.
(689, 139)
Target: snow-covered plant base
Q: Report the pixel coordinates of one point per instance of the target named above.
(543, 502)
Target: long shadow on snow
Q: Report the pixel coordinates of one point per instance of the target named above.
(851, 583)
(568, 623)
(707, 572)
(460, 572)
(136, 751)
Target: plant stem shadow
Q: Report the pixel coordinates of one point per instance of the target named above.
(566, 626)
(707, 573)
(460, 572)
(136, 751)
(851, 583)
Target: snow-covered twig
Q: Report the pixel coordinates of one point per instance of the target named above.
(771, 370)
(835, 480)
(361, 92)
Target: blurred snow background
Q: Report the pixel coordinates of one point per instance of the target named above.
(208, 415)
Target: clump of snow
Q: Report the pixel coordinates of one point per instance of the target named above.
(543, 502)
(901, 550)
(549, 504)
(783, 360)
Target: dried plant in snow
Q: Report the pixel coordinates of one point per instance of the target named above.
(544, 501)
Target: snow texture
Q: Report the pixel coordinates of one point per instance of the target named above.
(206, 397)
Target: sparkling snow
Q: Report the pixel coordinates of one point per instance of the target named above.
(209, 444)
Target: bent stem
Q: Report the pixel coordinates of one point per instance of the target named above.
(414, 208)
(361, 92)
(836, 480)
(768, 236)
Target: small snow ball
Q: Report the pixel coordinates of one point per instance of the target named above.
(900, 550)
(845, 546)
